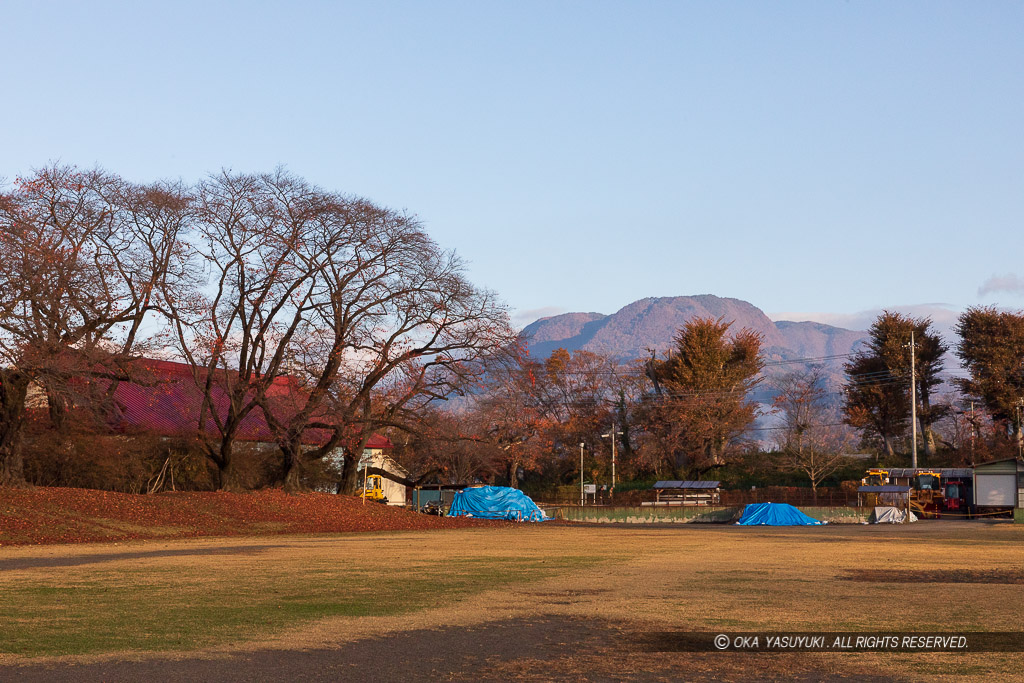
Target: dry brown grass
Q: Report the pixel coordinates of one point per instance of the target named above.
(688, 578)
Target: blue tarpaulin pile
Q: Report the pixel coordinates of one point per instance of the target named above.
(495, 502)
(775, 514)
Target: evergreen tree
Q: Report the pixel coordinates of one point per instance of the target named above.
(991, 347)
(878, 392)
(701, 406)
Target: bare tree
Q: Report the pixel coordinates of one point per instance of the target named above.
(80, 256)
(812, 439)
(238, 332)
(354, 304)
(398, 327)
(445, 449)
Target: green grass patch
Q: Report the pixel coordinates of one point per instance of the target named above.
(187, 608)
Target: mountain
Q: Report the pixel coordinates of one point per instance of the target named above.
(651, 323)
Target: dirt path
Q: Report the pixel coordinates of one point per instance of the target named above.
(538, 649)
(99, 558)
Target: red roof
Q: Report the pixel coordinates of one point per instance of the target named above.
(166, 400)
(378, 441)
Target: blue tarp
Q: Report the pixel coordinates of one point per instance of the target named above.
(775, 514)
(495, 502)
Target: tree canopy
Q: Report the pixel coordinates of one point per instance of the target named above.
(991, 348)
(879, 377)
(700, 406)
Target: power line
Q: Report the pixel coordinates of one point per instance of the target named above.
(633, 371)
(767, 429)
(807, 360)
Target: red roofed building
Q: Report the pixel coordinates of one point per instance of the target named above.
(165, 400)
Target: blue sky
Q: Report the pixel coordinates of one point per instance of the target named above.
(819, 159)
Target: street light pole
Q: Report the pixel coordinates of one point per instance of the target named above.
(611, 435)
(611, 492)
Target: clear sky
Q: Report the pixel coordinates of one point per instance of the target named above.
(819, 159)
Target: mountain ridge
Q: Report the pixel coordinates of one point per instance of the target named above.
(650, 324)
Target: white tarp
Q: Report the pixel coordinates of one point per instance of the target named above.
(885, 514)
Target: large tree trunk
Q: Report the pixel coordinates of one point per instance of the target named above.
(716, 451)
(227, 480)
(928, 437)
(888, 445)
(513, 474)
(350, 475)
(925, 420)
(58, 408)
(293, 463)
(13, 390)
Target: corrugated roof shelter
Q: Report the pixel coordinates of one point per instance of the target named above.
(687, 492)
(945, 472)
(687, 484)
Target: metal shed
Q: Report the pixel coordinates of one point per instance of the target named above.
(1000, 484)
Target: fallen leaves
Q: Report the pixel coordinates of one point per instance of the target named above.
(30, 516)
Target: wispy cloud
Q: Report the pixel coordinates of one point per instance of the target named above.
(521, 319)
(1014, 284)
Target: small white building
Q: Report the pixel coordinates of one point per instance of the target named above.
(375, 458)
(1000, 484)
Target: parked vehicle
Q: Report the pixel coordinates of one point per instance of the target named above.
(433, 507)
(373, 489)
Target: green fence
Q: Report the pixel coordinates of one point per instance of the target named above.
(653, 514)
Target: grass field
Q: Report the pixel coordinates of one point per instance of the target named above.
(225, 598)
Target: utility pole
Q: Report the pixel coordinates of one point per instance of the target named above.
(611, 435)
(1020, 430)
(973, 430)
(913, 405)
(581, 474)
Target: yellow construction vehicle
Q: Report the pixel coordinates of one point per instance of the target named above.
(373, 489)
(932, 490)
(876, 477)
(927, 496)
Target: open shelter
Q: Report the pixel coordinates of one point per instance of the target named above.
(686, 493)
